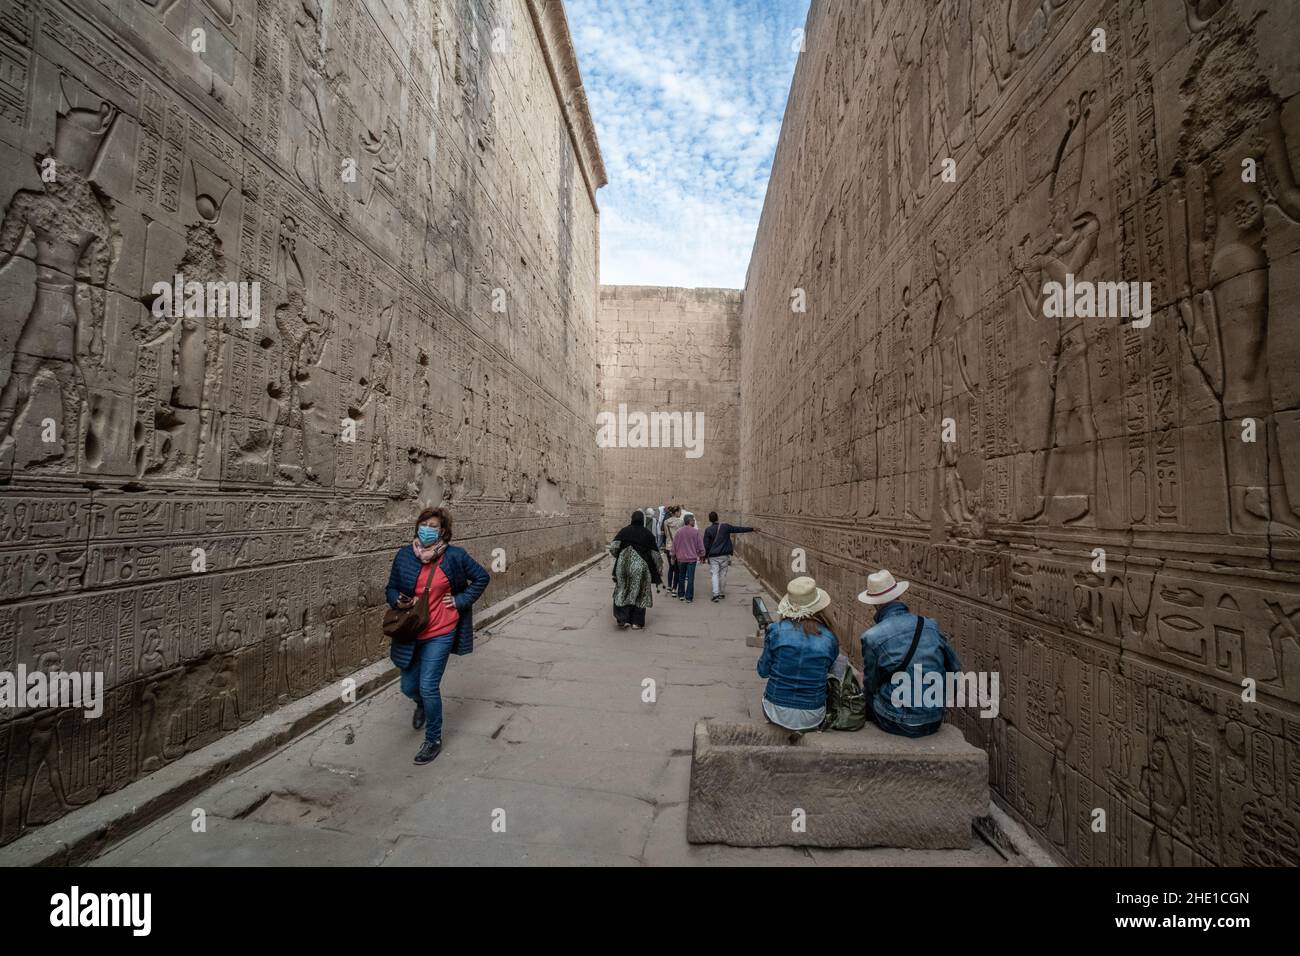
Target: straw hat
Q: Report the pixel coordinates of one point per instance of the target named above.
(802, 598)
(882, 588)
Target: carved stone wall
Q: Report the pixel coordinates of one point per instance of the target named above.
(413, 186)
(1122, 687)
(670, 351)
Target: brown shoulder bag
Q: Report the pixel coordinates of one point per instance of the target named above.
(405, 624)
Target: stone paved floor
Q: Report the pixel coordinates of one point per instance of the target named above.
(544, 721)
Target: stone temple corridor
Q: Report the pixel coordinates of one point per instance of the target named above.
(1019, 325)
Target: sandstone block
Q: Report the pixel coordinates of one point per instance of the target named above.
(861, 789)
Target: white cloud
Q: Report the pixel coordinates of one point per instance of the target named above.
(687, 99)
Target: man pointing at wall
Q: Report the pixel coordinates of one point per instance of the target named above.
(717, 545)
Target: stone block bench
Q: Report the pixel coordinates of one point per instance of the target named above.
(863, 788)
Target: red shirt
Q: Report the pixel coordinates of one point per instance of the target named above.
(442, 619)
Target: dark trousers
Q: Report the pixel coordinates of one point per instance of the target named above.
(672, 572)
(686, 580)
(629, 614)
(893, 727)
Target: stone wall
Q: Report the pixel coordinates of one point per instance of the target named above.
(205, 509)
(1122, 683)
(668, 351)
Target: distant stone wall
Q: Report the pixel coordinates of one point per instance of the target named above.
(669, 351)
(205, 512)
(1122, 683)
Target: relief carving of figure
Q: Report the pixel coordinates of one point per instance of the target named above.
(71, 221)
(44, 748)
(1061, 732)
(954, 377)
(1071, 471)
(303, 335)
(187, 421)
(386, 148)
(1234, 122)
(373, 404)
(1009, 55)
(915, 413)
(1163, 785)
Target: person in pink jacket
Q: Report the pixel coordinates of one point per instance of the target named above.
(688, 549)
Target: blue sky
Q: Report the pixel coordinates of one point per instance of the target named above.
(687, 96)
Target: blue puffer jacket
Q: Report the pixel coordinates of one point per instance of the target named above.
(796, 664)
(468, 580)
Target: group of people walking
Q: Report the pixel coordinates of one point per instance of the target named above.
(668, 530)
(433, 586)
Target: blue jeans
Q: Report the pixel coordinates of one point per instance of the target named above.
(686, 579)
(420, 681)
(893, 727)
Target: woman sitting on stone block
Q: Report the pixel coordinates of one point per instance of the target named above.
(798, 653)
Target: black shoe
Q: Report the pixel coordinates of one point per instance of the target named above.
(428, 751)
(417, 719)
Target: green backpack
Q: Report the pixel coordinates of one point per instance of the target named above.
(846, 704)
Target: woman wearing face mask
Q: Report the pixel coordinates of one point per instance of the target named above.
(455, 581)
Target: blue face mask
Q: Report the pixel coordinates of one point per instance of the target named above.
(427, 535)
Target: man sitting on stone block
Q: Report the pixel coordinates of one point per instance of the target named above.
(905, 661)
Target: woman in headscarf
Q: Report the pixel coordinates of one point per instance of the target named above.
(636, 567)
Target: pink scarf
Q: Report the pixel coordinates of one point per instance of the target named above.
(431, 553)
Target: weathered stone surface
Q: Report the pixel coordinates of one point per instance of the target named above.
(1122, 683)
(413, 186)
(670, 351)
(750, 786)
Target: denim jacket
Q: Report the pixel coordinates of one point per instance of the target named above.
(885, 645)
(796, 664)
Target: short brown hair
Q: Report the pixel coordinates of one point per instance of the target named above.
(444, 521)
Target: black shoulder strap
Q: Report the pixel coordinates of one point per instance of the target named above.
(888, 678)
(916, 639)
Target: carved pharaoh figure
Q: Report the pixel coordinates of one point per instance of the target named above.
(386, 148)
(1061, 732)
(1234, 158)
(302, 342)
(71, 223)
(954, 377)
(1070, 473)
(1163, 785)
(315, 81)
(44, 748)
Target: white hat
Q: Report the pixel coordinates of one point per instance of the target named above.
(882, 588)
(802, 598)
